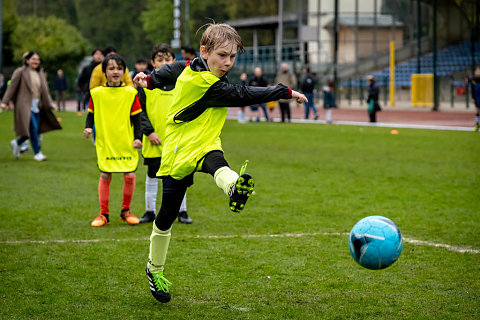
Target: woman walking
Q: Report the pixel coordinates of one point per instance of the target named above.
(32, 105)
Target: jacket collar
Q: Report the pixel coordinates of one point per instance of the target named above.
(200, 64)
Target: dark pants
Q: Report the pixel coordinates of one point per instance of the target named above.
(61, 100)
(33, 130)
(373, 116)
(285, 110)
(174, 190)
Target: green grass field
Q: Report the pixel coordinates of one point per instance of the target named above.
(285, 257)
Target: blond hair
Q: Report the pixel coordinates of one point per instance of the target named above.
(217, 34)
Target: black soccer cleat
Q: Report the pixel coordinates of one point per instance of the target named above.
(158, 285)
(240, 191)
(184, 218)
(149, 216)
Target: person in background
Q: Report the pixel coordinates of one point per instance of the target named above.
(115, 111)
(308, 89)
(241, 110)
(98, 78)
(286, 78)
(60, 87)
(141, 65)
(155, 104)
(33, 106)
(188, 53)
(329, 100)
(259, 81)
(3, 85)
(83, 82)
(372, 99)
(476, 96)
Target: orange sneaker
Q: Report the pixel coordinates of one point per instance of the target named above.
(129, 217)
(100, 221)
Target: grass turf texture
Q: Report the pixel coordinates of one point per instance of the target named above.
(309, 179)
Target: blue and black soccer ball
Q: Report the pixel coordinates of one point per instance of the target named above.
(375, 242)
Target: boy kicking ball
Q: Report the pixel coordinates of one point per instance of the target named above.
(192, 138)
(113, 108)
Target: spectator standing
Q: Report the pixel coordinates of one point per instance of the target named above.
(241, 110)
(288, 79)
(259, 81)
(141, 65)
(476, 95)
(329, 100)
(372, 99)
(98, 78)
(308, 89)
(83, 82)
(3, 85)
(188, 52)
(32, 105)
(60, 87)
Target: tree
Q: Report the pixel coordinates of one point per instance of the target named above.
(114, 23)
(157, 21)
(59, 44)
(9, 23)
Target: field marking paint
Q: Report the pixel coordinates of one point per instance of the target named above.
(381, 124)
(449, 247)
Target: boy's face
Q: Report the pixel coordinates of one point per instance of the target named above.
(114, 73)
(221, 59)
(162, 59)
(97, 56)
(141, 66)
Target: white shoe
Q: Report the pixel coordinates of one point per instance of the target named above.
(39, 157)
(16, 149)
(24, 147)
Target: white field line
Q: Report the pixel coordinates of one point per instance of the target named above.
(449, 247)
(379, 124)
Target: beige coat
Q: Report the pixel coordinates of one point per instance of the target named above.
(20, 93)
(288, 79)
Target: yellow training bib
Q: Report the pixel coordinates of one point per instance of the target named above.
(114, 131)
(158, 102)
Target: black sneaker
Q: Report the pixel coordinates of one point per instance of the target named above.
(149, 216)
(184, 218)
(158, 285)
(241, 190)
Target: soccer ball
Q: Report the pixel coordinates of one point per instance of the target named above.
(375, 242)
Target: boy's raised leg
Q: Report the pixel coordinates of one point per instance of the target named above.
(237, 188)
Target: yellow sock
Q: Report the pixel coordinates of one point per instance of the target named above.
(159, 241)
(224, 178)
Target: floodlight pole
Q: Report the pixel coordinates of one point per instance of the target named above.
(434, 44)
(419, 34)
(187, 22)
(335, 47)
(279, 34)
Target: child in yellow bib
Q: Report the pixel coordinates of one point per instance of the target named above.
(113, 109)
(155, 104)
(192, 138)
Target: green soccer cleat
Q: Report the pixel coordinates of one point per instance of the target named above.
(158, 285)
(241, 190)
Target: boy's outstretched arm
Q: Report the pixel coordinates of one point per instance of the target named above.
(163, 78)
(223, 94)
